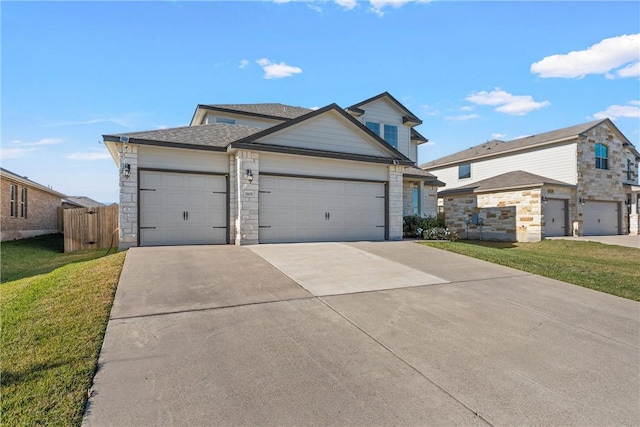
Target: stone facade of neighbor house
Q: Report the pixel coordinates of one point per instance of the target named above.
(28, 208)
(594, 163)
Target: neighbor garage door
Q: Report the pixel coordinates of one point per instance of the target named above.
(182, 208)
(555, 218)
(600, 218)
(313, 210)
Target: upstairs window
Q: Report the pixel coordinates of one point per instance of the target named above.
(23, 203)
(602, 156)
(629, 170)
(225, 120)
(464, 171)
(373, 127)
(13, 190)
(391, 135)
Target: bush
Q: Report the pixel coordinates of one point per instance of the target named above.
(416, 226)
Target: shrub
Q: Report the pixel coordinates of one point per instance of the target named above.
(440, 233)
(415, 225)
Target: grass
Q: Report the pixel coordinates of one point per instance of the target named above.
(606, 268)
(52, 330)
(38, 255)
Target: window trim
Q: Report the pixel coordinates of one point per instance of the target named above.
(373, 127)
(601, 162)
(225, 120)
(23, 202)
(466, 175)
(13, 190)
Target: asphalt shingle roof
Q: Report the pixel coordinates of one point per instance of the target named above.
(270, 109)
(213, 135)
(495, 146)
(515, 179)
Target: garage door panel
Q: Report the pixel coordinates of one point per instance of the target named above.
(555, 218)
(182, 208)
(600, 218)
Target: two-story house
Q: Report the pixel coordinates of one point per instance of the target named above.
(580, 180)
(264, 173)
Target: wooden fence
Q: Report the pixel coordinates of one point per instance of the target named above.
(90, 228)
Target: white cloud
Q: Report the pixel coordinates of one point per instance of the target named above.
(243, 63)
(274, 70)
(378, 5)
(14, 153)
(89, 155)
(429, 110)
(631, 110)
(466, 108)
(463, 117)
(507, 103)
(601, 58)
(43, 141)
(498, 136)
(347, 4)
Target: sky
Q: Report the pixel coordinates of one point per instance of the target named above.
(472, 71)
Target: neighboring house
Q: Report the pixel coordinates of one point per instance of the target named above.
(580, 180)
(28, 209)
(72, 202)
(264, 173)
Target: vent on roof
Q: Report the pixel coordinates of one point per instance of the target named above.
(124, 139)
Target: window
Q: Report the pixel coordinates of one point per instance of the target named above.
(416, 201)
(464, 171)
(391, 135)
(12, 197)
(373, 127)
(23, 203)
(602, 156)
(629, 170)
(225, 120)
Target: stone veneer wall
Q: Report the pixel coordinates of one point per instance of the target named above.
(246, 220)
(508, 215)
(395, 202)
(42, 213)
(129, 199)
(598, 184)
(430, 200)
(407, 198)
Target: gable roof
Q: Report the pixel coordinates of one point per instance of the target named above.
(495, 147)
(252, 139)
(82, 201)
(268, 111)
(417, 136)
(7, 174)
(505, 181)
(216, 136)
(409, 117)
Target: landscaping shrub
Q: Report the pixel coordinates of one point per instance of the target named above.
(430, 228)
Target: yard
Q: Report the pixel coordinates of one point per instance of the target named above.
(611, 269)
(55, 309)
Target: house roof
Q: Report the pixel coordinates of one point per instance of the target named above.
(82, 201)
(214, 136)
(4, 173)
(496, 147)
(505, 181)
(269, 110)
(417, 136)
(409, 116)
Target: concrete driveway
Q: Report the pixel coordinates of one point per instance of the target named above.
(368, 333)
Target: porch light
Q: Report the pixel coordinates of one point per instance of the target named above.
(544, 199)
(249, 175)
(581, 201)
(126, 170)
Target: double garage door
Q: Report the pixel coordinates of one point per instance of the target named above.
(186, 208)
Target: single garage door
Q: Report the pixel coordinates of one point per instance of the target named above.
(600, 218)
(182, 208)
(555, 218)
(315, 210)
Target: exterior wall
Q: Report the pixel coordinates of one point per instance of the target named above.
(430, 201)
(327, 132)
(42, 213)
(129, 198)
(634, 214)
(599, 184)
(384, 112)
(246, 220)
(507, 215)
(407, 198)
(554, 162)
(395, 202)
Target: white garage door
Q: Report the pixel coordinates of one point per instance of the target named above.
(315, 210)
(600, 218)
(182, 208)
(555, 218)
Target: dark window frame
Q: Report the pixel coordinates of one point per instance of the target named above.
(602, 159)
(465, 175)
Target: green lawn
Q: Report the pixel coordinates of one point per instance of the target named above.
(38, 255)
(606, 268)
(52, 330)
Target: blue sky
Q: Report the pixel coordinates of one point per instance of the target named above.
(473, 71)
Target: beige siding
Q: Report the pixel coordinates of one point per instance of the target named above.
(327, 132)
(555, 162)
(181, 159)
(382, 111)
(316, 166)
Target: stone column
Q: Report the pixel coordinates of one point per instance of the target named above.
(128, 197)
(395, 202)
(246, 220)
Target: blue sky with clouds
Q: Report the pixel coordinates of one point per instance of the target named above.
(473, 71)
